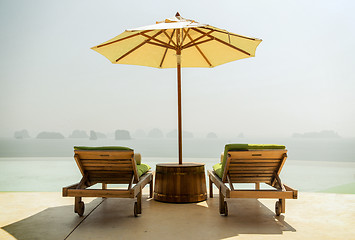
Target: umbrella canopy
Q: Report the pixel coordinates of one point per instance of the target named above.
(174, 43)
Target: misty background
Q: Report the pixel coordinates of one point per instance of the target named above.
(300, 84)
(301, 80)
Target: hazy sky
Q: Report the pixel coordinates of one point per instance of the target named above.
(302, 78)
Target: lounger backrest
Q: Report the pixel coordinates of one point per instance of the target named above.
(254, 166)
(107, 166)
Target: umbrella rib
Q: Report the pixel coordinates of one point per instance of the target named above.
(186, 33)
(198, 43)
(105, 44)
(157, 40)
(232, 34)
(161, 45)
(200, 51)
(138, 46)
(166, 49)
(225, 43)
(170, 38)
(196, 39)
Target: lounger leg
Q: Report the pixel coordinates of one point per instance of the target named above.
(76, 204)
(221, 202)
(223, 207)
(283, 205)
(211, 188)
(139, 202)
(79, 206)
(151, 189)
(104, 187)
(257, 186)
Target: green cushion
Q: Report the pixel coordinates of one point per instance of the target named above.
(102, 148)
(142, 168)
(246, 147)
(218, 169)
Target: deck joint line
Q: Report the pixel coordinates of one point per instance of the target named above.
(85, 218)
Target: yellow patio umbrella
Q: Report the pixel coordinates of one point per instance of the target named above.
(177, 42)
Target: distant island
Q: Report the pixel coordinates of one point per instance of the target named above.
(100, 135)
(185, 134)
(93, 135)
(139, 133)
(241, 135)
(96, 135)
(155, 133)
(122, 135)
(321, 134)
(50, 135)
(79, 134)
(21, 134)
(211, 135)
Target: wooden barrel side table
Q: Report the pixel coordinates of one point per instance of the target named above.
(180, 183)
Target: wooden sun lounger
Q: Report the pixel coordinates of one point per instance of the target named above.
(252, 166)
(108, 167)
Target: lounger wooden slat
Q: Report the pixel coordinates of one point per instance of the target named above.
(259, 162)
(272, 160)
(104, 154)
(251, 171)
(111, 172)
(257, 154)
(118, 166)
(106, 178)
(114, 164)
(253, 174)
(252, 166)
(250, 177)
(111, 179)
(108, 167)
(257, 168)
(112, 161)
(114, 174)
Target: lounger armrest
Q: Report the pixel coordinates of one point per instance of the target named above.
(219, 184)
(65, 189)
(107, 193)
(295, 192)
(143, 180)
(262, 194)
(75, 186)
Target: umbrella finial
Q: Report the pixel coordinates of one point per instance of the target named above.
(177, 15)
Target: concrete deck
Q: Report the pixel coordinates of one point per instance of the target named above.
(34, 215)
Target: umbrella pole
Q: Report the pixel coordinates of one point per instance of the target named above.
(179, 104)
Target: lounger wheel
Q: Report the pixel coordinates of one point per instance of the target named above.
(136, 209)
(81, 208)
(278, 208)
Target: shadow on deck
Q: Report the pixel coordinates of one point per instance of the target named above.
(113, 219)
